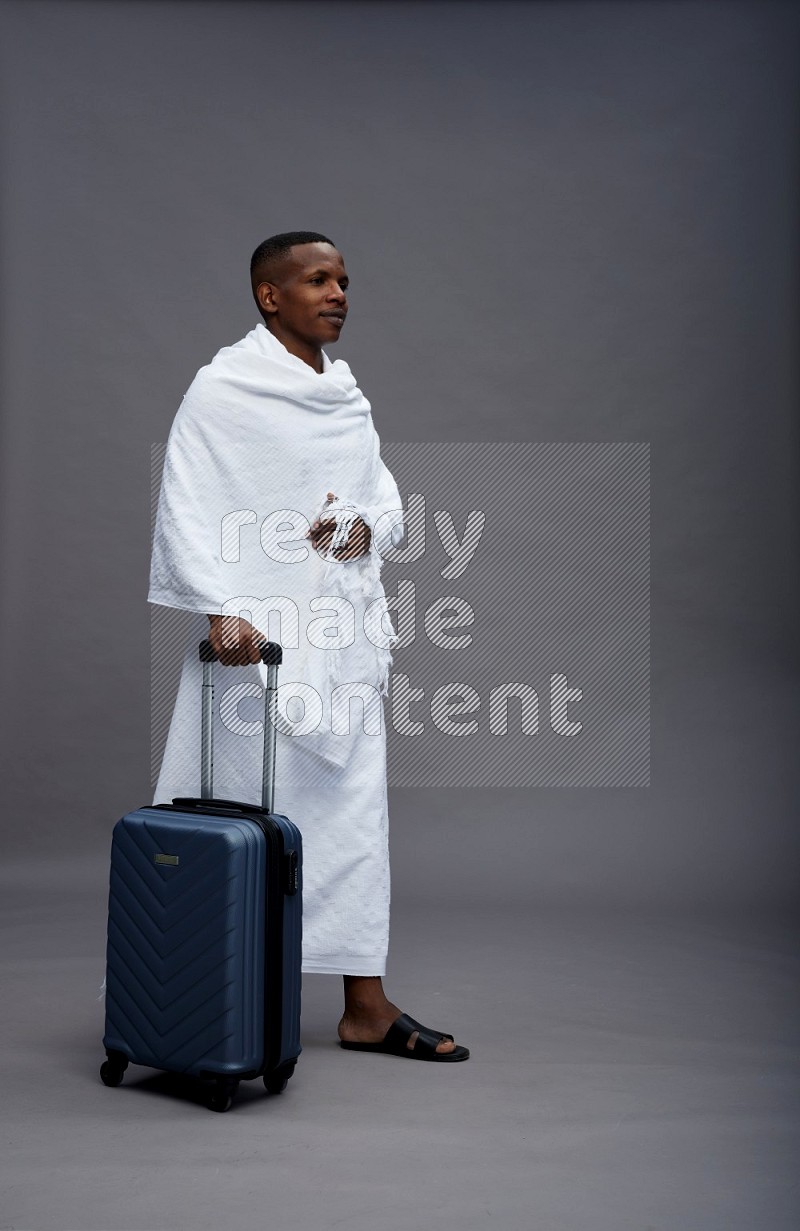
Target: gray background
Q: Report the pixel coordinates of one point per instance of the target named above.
(562, 222)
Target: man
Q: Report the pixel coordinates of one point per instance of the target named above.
(272, 420)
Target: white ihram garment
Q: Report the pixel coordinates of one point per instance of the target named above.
(259, 439)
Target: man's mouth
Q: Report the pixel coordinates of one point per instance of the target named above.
(334, 316)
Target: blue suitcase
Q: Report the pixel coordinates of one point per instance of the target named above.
(203, 962)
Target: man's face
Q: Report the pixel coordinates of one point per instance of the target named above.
(309, 300)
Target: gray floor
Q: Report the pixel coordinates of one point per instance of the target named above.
(628, 1073)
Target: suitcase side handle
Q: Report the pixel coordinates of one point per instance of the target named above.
(272, 657)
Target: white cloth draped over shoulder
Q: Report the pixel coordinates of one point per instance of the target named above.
(258, 441)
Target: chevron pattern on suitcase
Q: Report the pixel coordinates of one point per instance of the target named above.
(185, 958)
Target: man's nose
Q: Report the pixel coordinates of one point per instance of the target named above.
(336, 293)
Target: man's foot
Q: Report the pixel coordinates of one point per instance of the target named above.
(412, 1040)
(368, 1014)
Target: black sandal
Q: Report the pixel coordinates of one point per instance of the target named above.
(395, 1042)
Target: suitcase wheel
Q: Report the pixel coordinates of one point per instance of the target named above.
(276, 1083)
(113, 1069)
(222, 1095)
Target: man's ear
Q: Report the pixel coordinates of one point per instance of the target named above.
(265, 297)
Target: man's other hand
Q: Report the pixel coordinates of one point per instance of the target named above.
(358, 539)
(234, 641)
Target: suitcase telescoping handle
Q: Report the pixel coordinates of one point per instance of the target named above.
(271, 656)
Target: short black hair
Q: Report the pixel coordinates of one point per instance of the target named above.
(278, 246)
(275, 249)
